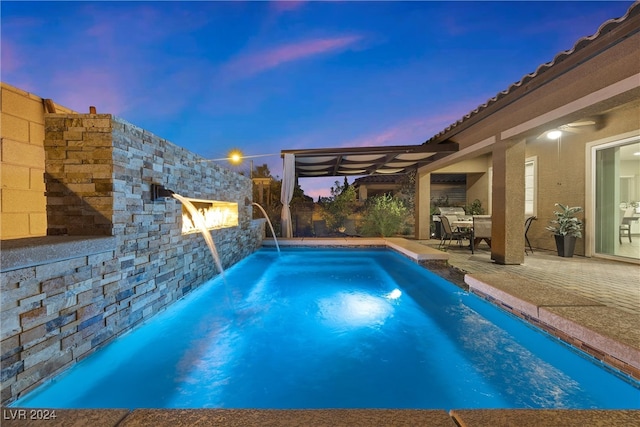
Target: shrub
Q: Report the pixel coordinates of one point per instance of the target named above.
(384, 216)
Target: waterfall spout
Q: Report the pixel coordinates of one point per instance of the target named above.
(159, 192)
(248, 202)
(199, 222)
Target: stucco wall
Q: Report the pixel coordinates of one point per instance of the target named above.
(122, 258)
(23, 210)
(561, 170)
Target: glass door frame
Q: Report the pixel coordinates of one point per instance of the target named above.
(590, 191)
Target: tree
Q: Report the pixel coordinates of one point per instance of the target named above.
(262, 171)
(338, 207)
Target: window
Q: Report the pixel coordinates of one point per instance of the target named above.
(530, 190)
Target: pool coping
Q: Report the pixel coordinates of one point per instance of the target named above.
(409, 248)
(318, 417)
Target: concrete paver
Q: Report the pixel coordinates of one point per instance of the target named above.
(543, 417)
(612, 283)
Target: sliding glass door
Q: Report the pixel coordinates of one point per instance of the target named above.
(617, 198)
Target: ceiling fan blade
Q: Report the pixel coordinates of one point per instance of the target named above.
(581, 123)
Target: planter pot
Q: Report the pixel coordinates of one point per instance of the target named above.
(565, 245)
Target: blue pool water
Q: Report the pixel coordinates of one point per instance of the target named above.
(330, 328)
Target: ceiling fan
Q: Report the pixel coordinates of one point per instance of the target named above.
(573, 127)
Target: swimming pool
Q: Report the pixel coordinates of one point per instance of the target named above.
(334, 328)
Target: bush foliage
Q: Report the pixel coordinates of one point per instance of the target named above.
(384, 216)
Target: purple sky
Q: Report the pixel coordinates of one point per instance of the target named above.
(266, 76)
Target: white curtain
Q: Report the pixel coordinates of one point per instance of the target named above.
(288, 182)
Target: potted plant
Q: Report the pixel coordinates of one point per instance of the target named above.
(566, 229)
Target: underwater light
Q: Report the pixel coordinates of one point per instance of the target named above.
(394, 294)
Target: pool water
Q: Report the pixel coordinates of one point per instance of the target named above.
(334, 328)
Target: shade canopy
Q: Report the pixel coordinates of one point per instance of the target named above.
(392, 159)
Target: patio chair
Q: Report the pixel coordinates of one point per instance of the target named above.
(320, 228)
(350, 228)
(625, 224)
(481, 230)
(527, 224)
(448, 233)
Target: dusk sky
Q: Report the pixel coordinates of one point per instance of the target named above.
(266, 76)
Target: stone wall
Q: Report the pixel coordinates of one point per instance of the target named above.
(59, 307)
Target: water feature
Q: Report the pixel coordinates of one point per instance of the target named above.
(198, 220)
(335, 328)
(273, 233)
(159, 192)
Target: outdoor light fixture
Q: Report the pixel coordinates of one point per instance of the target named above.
(235, 157)
(554, 134)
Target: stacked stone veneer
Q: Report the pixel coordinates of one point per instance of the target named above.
(99, 170)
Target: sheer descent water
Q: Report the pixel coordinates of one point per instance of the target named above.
(334, 328)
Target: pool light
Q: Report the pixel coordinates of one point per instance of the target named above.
(394, 294)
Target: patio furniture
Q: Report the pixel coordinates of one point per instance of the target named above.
(448, 233)
(350, 228)
(454, 211)
(625, 225)
(481, 231)
(320, 228)
(527, 224)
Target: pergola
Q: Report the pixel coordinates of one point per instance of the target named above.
(324, 162)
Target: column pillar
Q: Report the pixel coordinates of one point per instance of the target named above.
(362, 192)
(423, 206)
(507, 220)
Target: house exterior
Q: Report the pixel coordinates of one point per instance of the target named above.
(591, 94)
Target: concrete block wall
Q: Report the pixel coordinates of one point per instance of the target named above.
(60, 308)
(22, 166)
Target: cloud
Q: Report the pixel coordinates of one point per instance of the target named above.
(410, 131)
(281, 6)
(90, 86)
(11, 60)
(257, 62)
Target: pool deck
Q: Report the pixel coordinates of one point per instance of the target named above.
(323, 418)
(591, 303)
